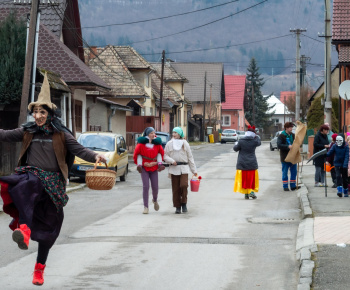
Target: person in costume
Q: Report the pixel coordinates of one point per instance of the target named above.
(178, 154)
(34, 196)
(284, 144)
(148, 156)
(247, 178)
(341, 160)
(320, 142)
(330, 161)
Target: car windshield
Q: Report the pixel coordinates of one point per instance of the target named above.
(97, 142)
(163, 137)
(229, 131)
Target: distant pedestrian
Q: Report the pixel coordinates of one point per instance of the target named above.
(178, 154)
(247, 177)
(284, 144)
(320, 142)
(148, 156)
(35, 195)
(341, 160)
(330, 161)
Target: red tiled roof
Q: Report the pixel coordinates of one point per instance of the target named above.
(341, 20)
(285, 95)
(234, 91)
(344, 53)
(53, 55)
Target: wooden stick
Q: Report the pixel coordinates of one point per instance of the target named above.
(297, 175)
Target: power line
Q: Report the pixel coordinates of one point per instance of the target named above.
(159, 18)
(312, 38)
(200, 26)
(220, 47)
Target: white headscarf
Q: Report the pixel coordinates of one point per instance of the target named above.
(250, 134)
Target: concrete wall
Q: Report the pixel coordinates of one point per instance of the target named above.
(98, 114)
(119, 122)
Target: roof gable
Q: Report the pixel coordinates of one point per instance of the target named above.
(234, 92)
(195, 73)
(53, 55)
(131, 58)
(169, 94)
(341, 20)
(110, 67)
(170, 74)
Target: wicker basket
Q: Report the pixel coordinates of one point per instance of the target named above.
(100, 179)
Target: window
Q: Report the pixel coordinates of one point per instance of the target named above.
(78, 115)
(122, 143)
(118, 144)
(226, 120)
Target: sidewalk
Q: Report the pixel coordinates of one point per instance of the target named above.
(325, 231)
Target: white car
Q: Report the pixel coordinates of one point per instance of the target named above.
(273, 142)
(240, 134)
(229, 135)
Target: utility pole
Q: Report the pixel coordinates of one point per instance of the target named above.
(211, 85)
(205, 96)
(28, 62)
(303, 60)
(253, 101)
(297, 71)
(161, 91)
(327, 81)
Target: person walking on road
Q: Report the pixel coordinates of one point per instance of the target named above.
(341, 160)
(284, 144)
(148, 156)
(330, 161)
(35, 195)
(247, 177)
(320, 142)
(178, 154)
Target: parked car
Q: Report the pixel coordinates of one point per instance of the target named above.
(229, 135)
(112, 145)
(273, 142)
(240, 134)
(164, 136)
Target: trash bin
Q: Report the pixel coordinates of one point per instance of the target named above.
(211, 138)
(209, 130)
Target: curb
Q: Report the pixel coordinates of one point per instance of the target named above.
(305, 244)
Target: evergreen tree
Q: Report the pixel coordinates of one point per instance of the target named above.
(262, 118)
(315, 115)
(12, 58)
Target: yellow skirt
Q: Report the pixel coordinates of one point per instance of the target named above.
(246, 183)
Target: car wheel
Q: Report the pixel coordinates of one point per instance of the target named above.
(123, 177)
(271, 148)
(223, 142)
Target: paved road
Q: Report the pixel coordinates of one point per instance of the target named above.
(224, 242)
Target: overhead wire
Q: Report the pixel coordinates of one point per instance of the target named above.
(159, 18)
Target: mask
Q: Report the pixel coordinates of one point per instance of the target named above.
(339, 140)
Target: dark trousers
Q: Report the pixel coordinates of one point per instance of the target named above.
(334, 175)
(179, 184)
(342, 176)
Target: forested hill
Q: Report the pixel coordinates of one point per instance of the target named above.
(232, 32)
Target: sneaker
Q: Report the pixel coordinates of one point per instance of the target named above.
(184, 207)
(246, 196)
(340, 191)
(295, 188)
(285, 188)
(21, 236)
(38, 275)
(156, 205)
(317, 184)
(252, 195)
(145, 210)
(178, 210)
(346, 194)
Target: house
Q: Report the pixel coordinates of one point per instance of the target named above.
(341, 40)
(232, 111)
(286, 95)
(281, 115)
(175, 81)
(60, 51)
(205, 88)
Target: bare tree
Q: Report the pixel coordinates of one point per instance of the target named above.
(305, 94)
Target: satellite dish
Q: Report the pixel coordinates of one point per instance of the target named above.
(344, 90)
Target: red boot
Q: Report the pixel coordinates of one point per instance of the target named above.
(21, 236)
(38, 275)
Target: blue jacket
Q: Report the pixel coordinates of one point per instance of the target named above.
(341, 155)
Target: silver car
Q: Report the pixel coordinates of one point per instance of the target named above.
(273, 142)
(240, 134)
(229, 135)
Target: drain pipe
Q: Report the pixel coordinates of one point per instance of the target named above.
(110, 118)
(178, 109)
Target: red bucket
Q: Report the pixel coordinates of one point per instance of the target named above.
(195, 184)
